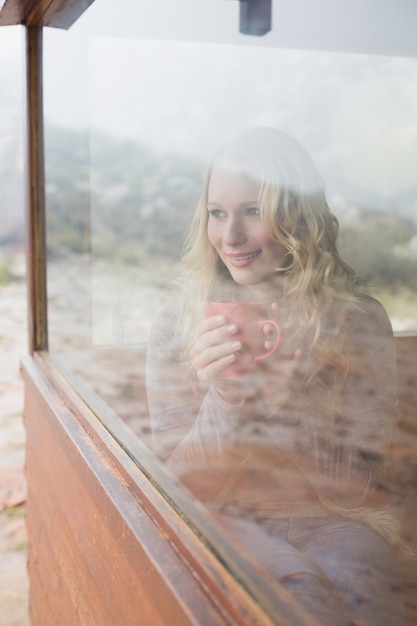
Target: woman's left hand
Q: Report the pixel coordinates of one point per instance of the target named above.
(276, 373)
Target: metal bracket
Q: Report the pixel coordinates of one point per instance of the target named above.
(255, 17)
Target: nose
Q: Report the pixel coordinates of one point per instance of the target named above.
(234, 233)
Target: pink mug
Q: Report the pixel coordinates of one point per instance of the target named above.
(250, 319)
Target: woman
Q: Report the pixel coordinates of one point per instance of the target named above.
(288, 457)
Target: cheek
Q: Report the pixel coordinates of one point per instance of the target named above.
(275, 249)
(278, 250)
(260, 235)
(213, 234)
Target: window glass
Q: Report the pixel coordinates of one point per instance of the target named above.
(135, 105)
(130, 124)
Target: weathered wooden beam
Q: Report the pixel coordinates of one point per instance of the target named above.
(35, 194)
(105, 546)
(57, 13)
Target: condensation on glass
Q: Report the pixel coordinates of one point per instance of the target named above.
(135, 105)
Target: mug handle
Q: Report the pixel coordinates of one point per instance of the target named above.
(277, 340)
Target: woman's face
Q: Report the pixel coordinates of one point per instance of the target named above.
(235, 227)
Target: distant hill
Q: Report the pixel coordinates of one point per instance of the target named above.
(11, 161)
(117, 197)
(122, 200)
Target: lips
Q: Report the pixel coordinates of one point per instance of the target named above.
(240, 259)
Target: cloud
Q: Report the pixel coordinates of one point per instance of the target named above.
(375, 130)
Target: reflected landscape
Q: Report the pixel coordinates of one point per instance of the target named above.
(290, 458)
(285, 448)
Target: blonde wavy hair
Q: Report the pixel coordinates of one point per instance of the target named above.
(295, 214)
(316, 290)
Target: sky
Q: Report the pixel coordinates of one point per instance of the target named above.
(11, 48)
(186, 90)
(356, 113)
(10, 44)
(11, 131)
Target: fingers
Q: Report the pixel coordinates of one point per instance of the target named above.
(297, 355)
(209, 324)
(212, 332)
(209, 371)
(275, 309)
(270, 333)
(214, 348)
(211, 361)
(270, 330)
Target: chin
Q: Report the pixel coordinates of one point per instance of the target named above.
(247, 280)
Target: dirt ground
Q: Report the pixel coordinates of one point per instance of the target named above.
(13, 344)
(13, 540)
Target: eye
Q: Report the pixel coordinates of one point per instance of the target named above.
(216, 213)
(253, 211)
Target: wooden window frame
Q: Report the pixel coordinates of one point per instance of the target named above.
(109, 539)
(56, 13)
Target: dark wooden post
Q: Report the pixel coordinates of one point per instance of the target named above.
(35, 199)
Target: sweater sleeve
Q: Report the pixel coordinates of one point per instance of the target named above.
(184, 419)
(369, 394)
(340, 452)
(344, 456)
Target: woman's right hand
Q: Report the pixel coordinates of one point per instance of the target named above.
(213, 351)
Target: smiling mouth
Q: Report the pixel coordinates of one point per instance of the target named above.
(242, 259)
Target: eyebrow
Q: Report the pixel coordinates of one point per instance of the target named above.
(243, 205)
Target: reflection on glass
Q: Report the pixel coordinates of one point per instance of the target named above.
(171, 103)
(283, 443)
(289, 456)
